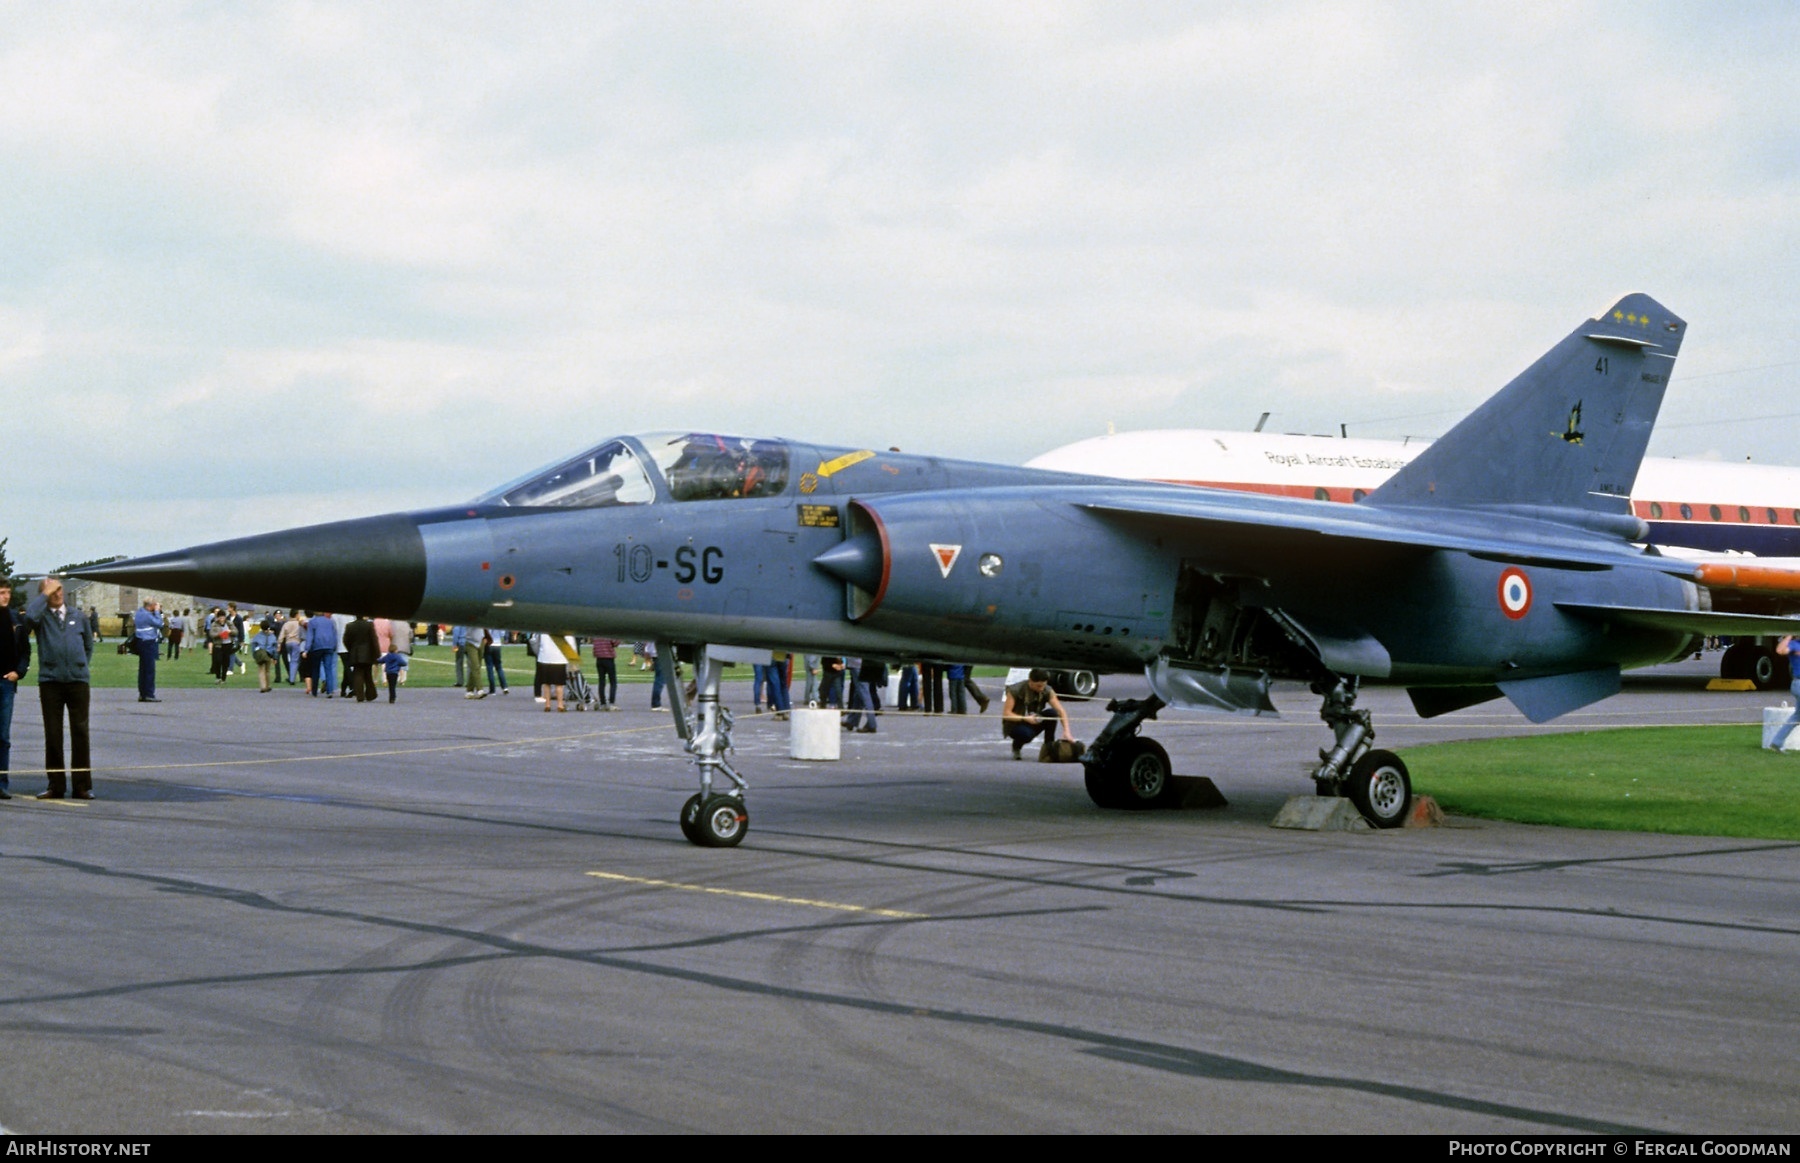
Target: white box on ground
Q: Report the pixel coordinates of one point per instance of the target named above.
(814, 733)
(1773, 718)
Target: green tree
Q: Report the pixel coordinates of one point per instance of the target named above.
(6, 564)
(71, 567)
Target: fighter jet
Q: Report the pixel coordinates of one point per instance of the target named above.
(1503, 561)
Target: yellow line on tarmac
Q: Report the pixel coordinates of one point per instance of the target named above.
(773, 898)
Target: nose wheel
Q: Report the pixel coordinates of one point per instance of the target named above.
(718, 821)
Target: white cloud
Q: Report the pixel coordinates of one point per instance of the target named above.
(508, 230)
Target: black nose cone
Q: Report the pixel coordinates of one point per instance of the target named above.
(374, 566)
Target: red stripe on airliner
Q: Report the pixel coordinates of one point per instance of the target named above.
(1648, 510)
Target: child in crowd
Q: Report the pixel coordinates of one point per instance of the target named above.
(393, 664)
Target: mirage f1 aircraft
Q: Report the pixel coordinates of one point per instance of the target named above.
(1504, 560)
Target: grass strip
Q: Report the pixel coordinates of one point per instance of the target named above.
(1697, 781)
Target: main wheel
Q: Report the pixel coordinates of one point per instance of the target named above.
(722, 822)
(1102, 784)
(1083, 683)
(1136, 775)
(1769, 670)
(1735, 662)
(1145, 774)
(1381, 788)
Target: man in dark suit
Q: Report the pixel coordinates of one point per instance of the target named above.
(64, 645)
(361, 651)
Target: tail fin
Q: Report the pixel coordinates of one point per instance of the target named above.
(1568, 433)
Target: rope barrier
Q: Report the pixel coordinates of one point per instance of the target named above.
(359, 754)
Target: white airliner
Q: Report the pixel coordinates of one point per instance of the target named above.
(1701, 508)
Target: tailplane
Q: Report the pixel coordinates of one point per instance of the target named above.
(1567, 434)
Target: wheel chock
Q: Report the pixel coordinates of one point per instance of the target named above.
(1730, 684)
(1194, 791)
(1425, 813)
(1316, 813)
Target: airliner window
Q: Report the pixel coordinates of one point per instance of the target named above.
(1656, 510)
(703, 467)
(1743, 514)
(603, 476)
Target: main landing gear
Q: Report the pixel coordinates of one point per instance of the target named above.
(1122, 768)
(1125, 770)
(1376, 781)
(709, 819)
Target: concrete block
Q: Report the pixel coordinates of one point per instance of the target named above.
(814, 733)
(1773, 718)
(1317, 813)
(1425, 813)
(1195, 791)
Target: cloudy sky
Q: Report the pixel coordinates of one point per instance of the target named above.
(277, 263)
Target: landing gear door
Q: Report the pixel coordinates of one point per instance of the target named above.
(1211, 688)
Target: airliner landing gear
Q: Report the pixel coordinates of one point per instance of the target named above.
(709, 819)
(1377, 782)
(1760, 664)
(1122, 768)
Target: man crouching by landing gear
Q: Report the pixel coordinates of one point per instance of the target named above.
(1022, 718)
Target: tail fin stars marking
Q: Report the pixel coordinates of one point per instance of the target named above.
(1619, 361)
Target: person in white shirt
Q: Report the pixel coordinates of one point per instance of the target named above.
(553, 654)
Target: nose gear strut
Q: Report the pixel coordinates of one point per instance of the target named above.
(709, 819)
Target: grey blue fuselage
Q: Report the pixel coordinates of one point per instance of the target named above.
(1074, 587)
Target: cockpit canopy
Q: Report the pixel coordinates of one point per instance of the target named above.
(702, 467)
(695, 466)
(610, 474)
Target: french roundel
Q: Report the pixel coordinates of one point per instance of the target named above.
(1515, 593)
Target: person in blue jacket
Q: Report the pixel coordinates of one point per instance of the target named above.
(393, 664)
(1786, 646)
(321, 650)
(146, 643)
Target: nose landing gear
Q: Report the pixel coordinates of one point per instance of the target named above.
(709, 819)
